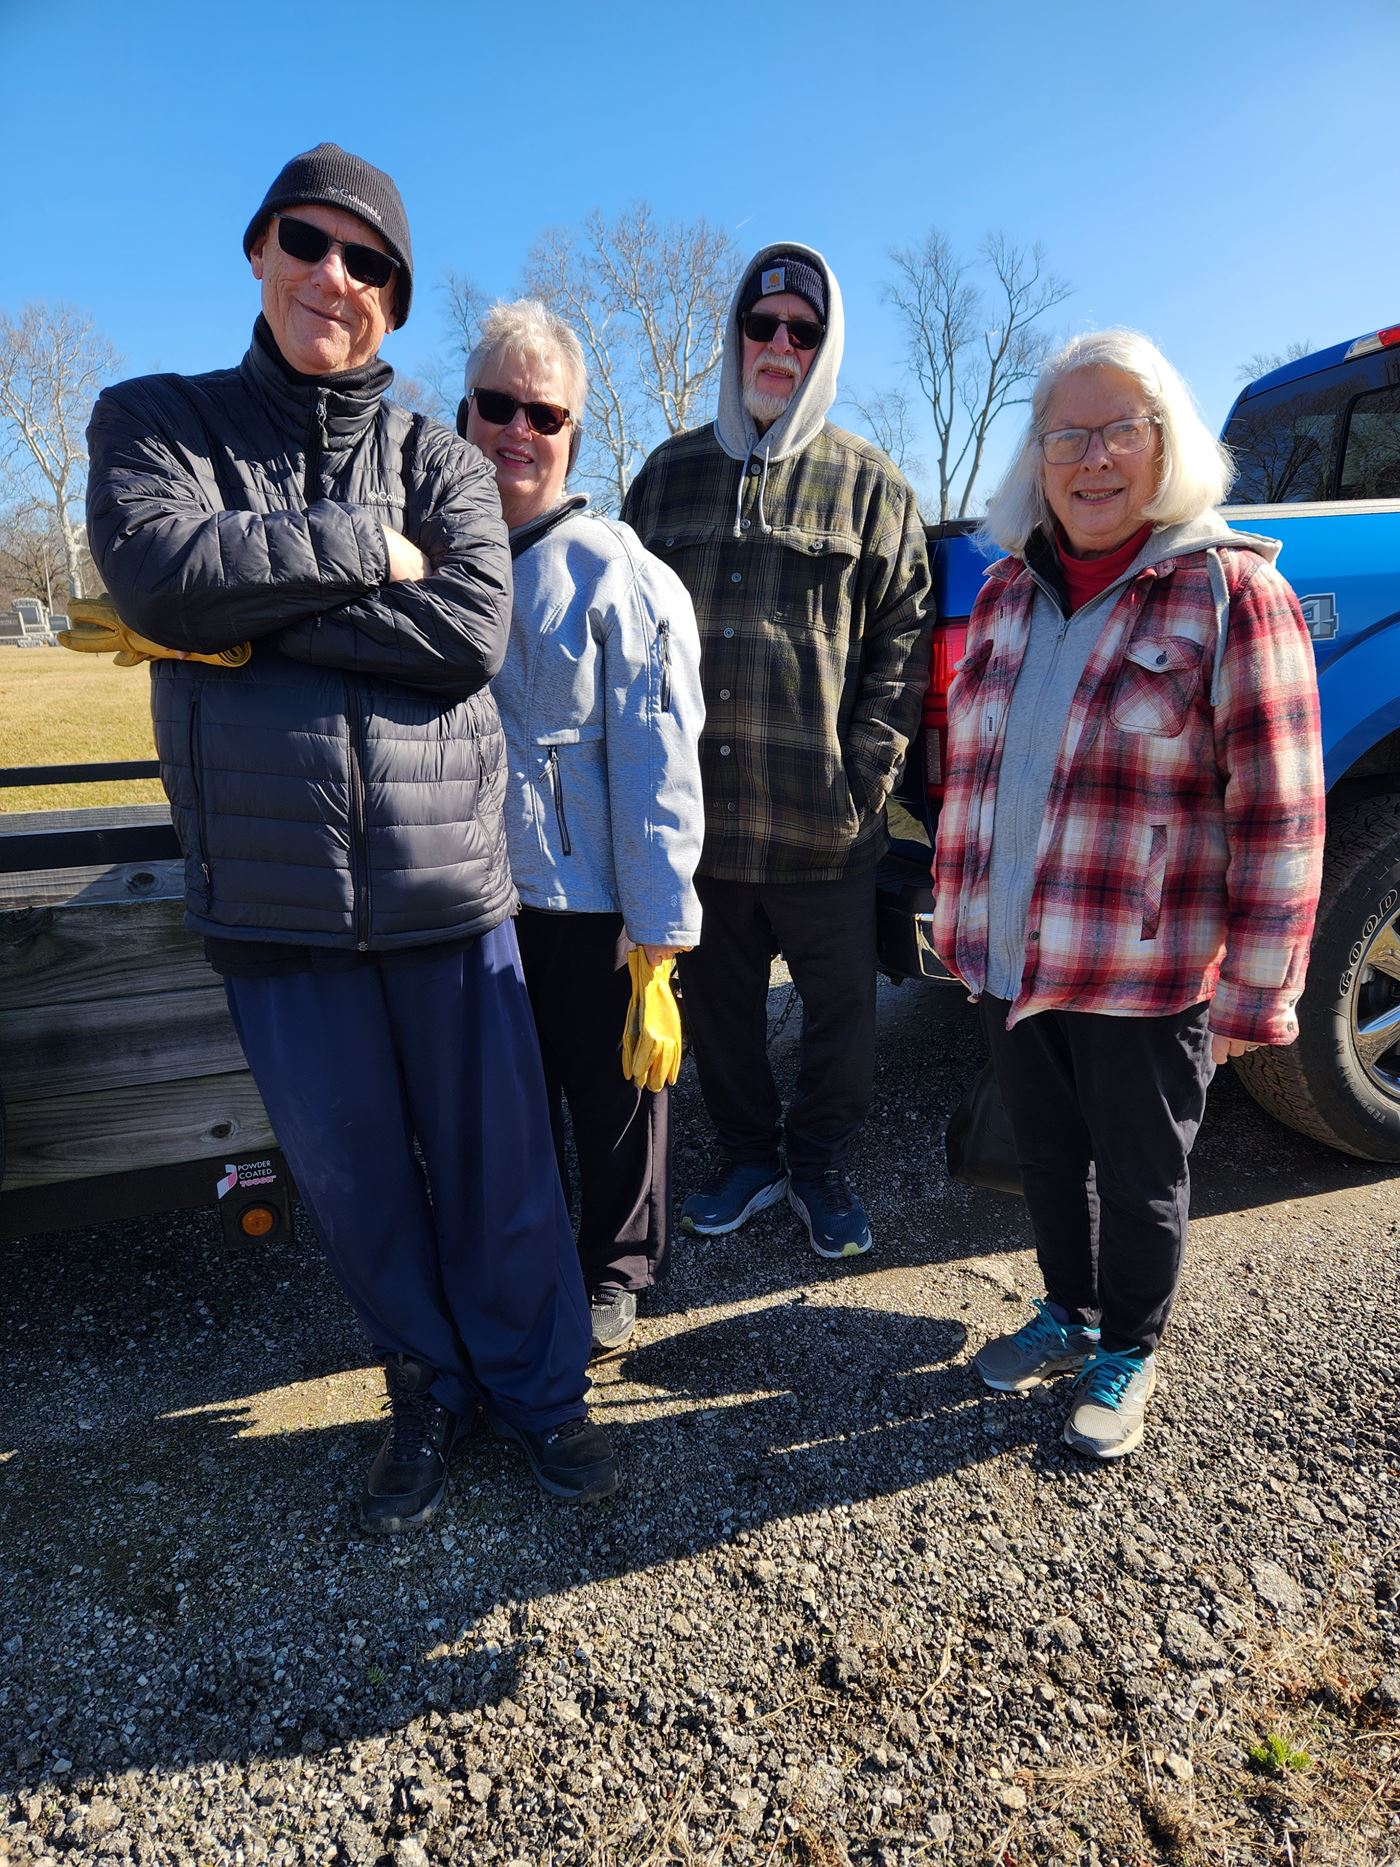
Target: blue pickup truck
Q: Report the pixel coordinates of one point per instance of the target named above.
(1317, 447)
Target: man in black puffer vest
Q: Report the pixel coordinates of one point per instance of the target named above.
(338, 800)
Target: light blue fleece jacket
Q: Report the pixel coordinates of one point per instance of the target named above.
(601, 703)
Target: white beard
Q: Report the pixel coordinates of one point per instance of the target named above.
(762, 406)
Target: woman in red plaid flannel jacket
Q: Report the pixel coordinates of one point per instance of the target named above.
(1130, 846)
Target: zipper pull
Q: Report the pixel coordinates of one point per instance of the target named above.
(663, 645)
(556, 784)
(317, 442)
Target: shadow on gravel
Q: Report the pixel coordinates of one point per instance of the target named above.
(1244, 1158)
(178, 1591)
(183, 1429)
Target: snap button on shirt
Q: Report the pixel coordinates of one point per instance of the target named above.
(736, 576)
(724, 751)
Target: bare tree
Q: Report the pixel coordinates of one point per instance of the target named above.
(564, 276)
(972, 331)
(887, 416)
(648, 302)
(1265, 362)
(52, 364)
(889, 421)
(436, 388)
(427, 394)
(32, 557)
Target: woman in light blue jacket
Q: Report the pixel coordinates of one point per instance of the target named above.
(601, 702)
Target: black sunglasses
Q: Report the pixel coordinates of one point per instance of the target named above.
(495, 406)
(803, 333)
(299, 239)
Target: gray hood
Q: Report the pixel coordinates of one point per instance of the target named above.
(1170, 541)
(1199, 534)
(802, 420)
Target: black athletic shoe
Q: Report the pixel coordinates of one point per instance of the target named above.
(573, 1460)
(409, 1475)
(614, 1314)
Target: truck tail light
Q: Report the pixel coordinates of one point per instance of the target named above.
(949, 639)
(1383, 339)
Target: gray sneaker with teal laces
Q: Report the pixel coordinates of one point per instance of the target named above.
(1038, 1351)
(1108, 1402)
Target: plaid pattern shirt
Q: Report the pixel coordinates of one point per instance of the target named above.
(1181, 852)
(811, 589)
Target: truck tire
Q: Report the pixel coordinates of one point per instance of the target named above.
(1340, 1082)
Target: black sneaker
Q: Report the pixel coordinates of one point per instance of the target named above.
(573, 1460)
(829, 1206)
(614, 1314)
(407, 1480)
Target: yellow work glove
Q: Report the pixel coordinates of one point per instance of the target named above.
(651, 1037)
(95, 628)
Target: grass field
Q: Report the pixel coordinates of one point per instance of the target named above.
(58, 708)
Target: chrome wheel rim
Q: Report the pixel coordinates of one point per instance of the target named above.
(1373, 1008)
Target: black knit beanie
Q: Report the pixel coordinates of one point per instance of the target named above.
(784, 272)
(331, 177)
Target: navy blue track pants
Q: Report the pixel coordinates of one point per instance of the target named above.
(467, 1261)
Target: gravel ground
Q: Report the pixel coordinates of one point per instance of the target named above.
(848, 1607)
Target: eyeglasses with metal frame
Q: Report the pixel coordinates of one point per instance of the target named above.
(1066, 447)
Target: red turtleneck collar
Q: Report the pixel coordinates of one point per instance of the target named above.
(1086, 578)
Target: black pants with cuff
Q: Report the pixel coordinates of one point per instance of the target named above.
(1105, 1112)
(826, 933)
(580, 988)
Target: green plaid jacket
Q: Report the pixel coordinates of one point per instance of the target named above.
(814, 624)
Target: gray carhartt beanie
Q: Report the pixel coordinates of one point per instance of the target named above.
(332, 177)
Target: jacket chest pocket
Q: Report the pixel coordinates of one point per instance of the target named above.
(813, 578)
(687, 546)
(1157, 685)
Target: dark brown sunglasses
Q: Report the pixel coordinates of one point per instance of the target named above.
(495, 406)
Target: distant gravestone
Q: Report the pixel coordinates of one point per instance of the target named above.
(29, 624)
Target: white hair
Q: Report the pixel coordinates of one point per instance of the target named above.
(529, 332)
(1196, 470)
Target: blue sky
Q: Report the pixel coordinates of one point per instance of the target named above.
(1219, 175)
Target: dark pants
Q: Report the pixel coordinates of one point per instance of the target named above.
(1127, 1095)
(580, 988)
(465, 1262)
(826, 933)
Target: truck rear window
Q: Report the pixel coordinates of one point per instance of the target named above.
(1371, 456)
(1285, 444)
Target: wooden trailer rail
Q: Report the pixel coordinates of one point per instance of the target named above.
(122, 1084)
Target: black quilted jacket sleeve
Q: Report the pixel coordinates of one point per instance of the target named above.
(448, 633)
(192, 570)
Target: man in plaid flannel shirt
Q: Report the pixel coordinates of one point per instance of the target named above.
(802, 549)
